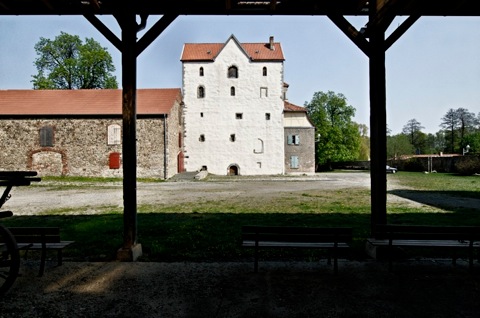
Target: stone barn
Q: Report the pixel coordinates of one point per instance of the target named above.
(79, 132)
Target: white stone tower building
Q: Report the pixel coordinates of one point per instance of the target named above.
(233, 107)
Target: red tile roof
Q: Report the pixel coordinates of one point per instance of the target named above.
(84, 102)
(289, 107)
(209, 51)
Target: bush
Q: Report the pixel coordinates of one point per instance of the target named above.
(468, 165)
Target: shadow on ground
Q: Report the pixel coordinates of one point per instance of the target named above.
(418, 288)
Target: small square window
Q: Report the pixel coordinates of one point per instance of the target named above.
(267, 116)
(239, 115)
(202, 138)
(232, 138)
(201, 114)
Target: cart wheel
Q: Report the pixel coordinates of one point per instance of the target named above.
(9, 260)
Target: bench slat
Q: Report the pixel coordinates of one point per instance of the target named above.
(294, 244)
(395, 235)
(296, 237)
(40, 238)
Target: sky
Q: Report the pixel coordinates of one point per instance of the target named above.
(433, 67)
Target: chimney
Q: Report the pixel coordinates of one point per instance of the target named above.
(271, 46)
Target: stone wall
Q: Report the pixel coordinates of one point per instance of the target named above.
(81, 148)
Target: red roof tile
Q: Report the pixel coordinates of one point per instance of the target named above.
(289, 107)
(209, 51)
(84, 102)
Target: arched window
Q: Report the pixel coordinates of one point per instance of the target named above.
(201, 71)
(264, 71)
(201, 92)
(232, 91)
(232, 72)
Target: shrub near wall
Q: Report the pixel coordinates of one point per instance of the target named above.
(468, 165)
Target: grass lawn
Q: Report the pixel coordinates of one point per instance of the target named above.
(210, 230)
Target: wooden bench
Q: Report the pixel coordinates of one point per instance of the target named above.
(446, 237)
(332, 239)
(40, 238)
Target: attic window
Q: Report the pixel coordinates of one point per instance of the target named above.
(232, 72)
(264, 71)
(201, 71)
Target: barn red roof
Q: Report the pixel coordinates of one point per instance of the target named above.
(84, 102)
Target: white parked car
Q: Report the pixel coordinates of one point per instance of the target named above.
(391, 169)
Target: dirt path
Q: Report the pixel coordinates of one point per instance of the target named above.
(91, 198)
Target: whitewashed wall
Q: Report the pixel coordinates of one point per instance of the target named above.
(219, 110)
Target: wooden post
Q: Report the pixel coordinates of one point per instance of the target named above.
(130, 250)
(378, 123)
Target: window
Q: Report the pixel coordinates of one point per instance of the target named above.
(180, 140)
(232, 137)
(201, 71)
(201, 115)
(267, 116)
(201, 92)
(202, 138)
(294, 162)
(239, 115)
(264, 71)
(232, 91)
(258, 146)
(114, 135)
(46, 136)
(232, 72)
(263, 92)
(293, 140)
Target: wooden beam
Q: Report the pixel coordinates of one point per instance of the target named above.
(378, 123)
(130, 250)
(351, 32)
(400, 30)
(154, 32)
(104, 30)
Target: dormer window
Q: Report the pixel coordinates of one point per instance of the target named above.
(200, 71)
(232, 72)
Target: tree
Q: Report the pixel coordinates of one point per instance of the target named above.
(398, 146)
(450, 124)
(459, 123)
(68, 63)
(339, 136)
(364, 150)
(413, 130)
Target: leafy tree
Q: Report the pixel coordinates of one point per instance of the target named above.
(364, 151)
(458, 123)
(339, 136)
(466, 121)
(450, 124)
(68, 63)
(413, 130)
(398, 146)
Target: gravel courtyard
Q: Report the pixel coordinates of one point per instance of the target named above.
(415, 288)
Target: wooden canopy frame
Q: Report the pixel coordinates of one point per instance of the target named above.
(371, 40)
